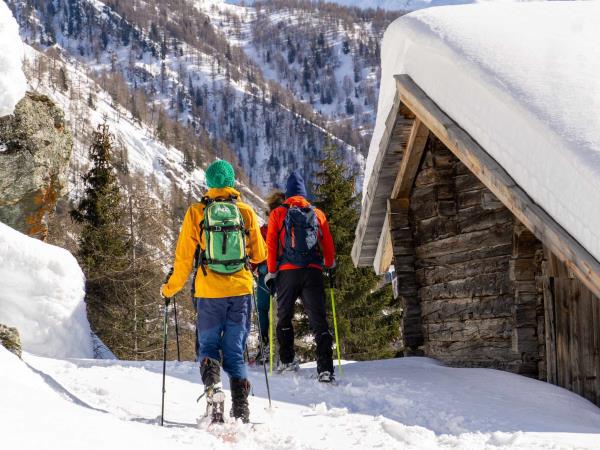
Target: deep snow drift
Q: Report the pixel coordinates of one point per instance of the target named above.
(41, 293)
(522, 80)
(12, 79)
(410, 403)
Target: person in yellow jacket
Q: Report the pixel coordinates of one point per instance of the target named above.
(223, 300)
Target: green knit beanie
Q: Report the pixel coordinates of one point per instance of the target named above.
(220, 174)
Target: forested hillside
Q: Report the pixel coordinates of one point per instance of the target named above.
(263, 86)
(179, 83)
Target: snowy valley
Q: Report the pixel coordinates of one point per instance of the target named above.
(54, 399)
(266, 85)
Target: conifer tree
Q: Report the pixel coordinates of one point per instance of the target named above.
(368, 322)
(103, 246)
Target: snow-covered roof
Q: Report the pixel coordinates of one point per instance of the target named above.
(522, 79)
(12, 79)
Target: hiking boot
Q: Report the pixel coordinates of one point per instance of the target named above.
(294, 366)
(240, 388)
(326, 377)
(210, 371)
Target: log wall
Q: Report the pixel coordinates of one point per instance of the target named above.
(476, 281)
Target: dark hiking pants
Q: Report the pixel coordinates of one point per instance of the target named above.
(306, 283)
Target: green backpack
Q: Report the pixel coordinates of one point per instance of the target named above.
(225, 236)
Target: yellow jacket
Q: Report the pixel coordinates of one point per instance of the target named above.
(214, 285)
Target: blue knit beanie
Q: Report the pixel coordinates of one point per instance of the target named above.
(220, 174)
(295, 185)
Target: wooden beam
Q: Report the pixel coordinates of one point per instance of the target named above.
(369, 195)
(387, 162)
(384, 254)
(410, 160)
(497, 180)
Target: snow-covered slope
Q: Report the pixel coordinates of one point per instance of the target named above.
(12, 80)
(522, 79)
(326, 56)
(399, 5)
(409, 403)
(144, 153)
(165, 59)
(389, 5)
(41, 293)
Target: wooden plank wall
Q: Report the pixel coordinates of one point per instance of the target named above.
(573, 318)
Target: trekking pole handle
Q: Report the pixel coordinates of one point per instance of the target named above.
(167, 278)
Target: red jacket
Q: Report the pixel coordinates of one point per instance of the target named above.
(275, 243)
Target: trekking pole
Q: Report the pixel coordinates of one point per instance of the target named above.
(247, 353)
(271, 334)
(165, 336)
(335, 327)
(176, 329)
(262, 349)
(165, 330)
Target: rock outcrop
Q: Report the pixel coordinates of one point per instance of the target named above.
(35, 149)
(9, 339)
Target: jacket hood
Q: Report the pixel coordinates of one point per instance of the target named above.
(295, 185)
(297, 200)
(223, 192)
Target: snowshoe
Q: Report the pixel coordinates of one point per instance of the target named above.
(326, 377)
(294, 366)
(259, 356)
(215, 404)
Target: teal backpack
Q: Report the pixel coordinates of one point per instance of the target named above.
(225, 236)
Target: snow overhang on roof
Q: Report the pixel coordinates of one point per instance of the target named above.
(521, 80)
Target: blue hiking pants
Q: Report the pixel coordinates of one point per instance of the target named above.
(223, 325)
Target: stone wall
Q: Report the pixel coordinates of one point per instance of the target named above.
(35, 149)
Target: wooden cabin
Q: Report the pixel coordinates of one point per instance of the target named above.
(485, 277)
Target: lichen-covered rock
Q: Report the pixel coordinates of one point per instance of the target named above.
(9, 339)
(35, 149)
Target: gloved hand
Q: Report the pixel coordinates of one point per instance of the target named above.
(270, 282)
(330, 274)
(162, 288)
(166, 299)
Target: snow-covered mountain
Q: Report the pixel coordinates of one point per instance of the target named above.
(325, 55)
(176, 68)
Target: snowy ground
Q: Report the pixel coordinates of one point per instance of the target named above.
(403, 403)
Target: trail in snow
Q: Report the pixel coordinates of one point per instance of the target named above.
(402, 403)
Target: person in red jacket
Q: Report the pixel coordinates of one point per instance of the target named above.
(299, 246)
